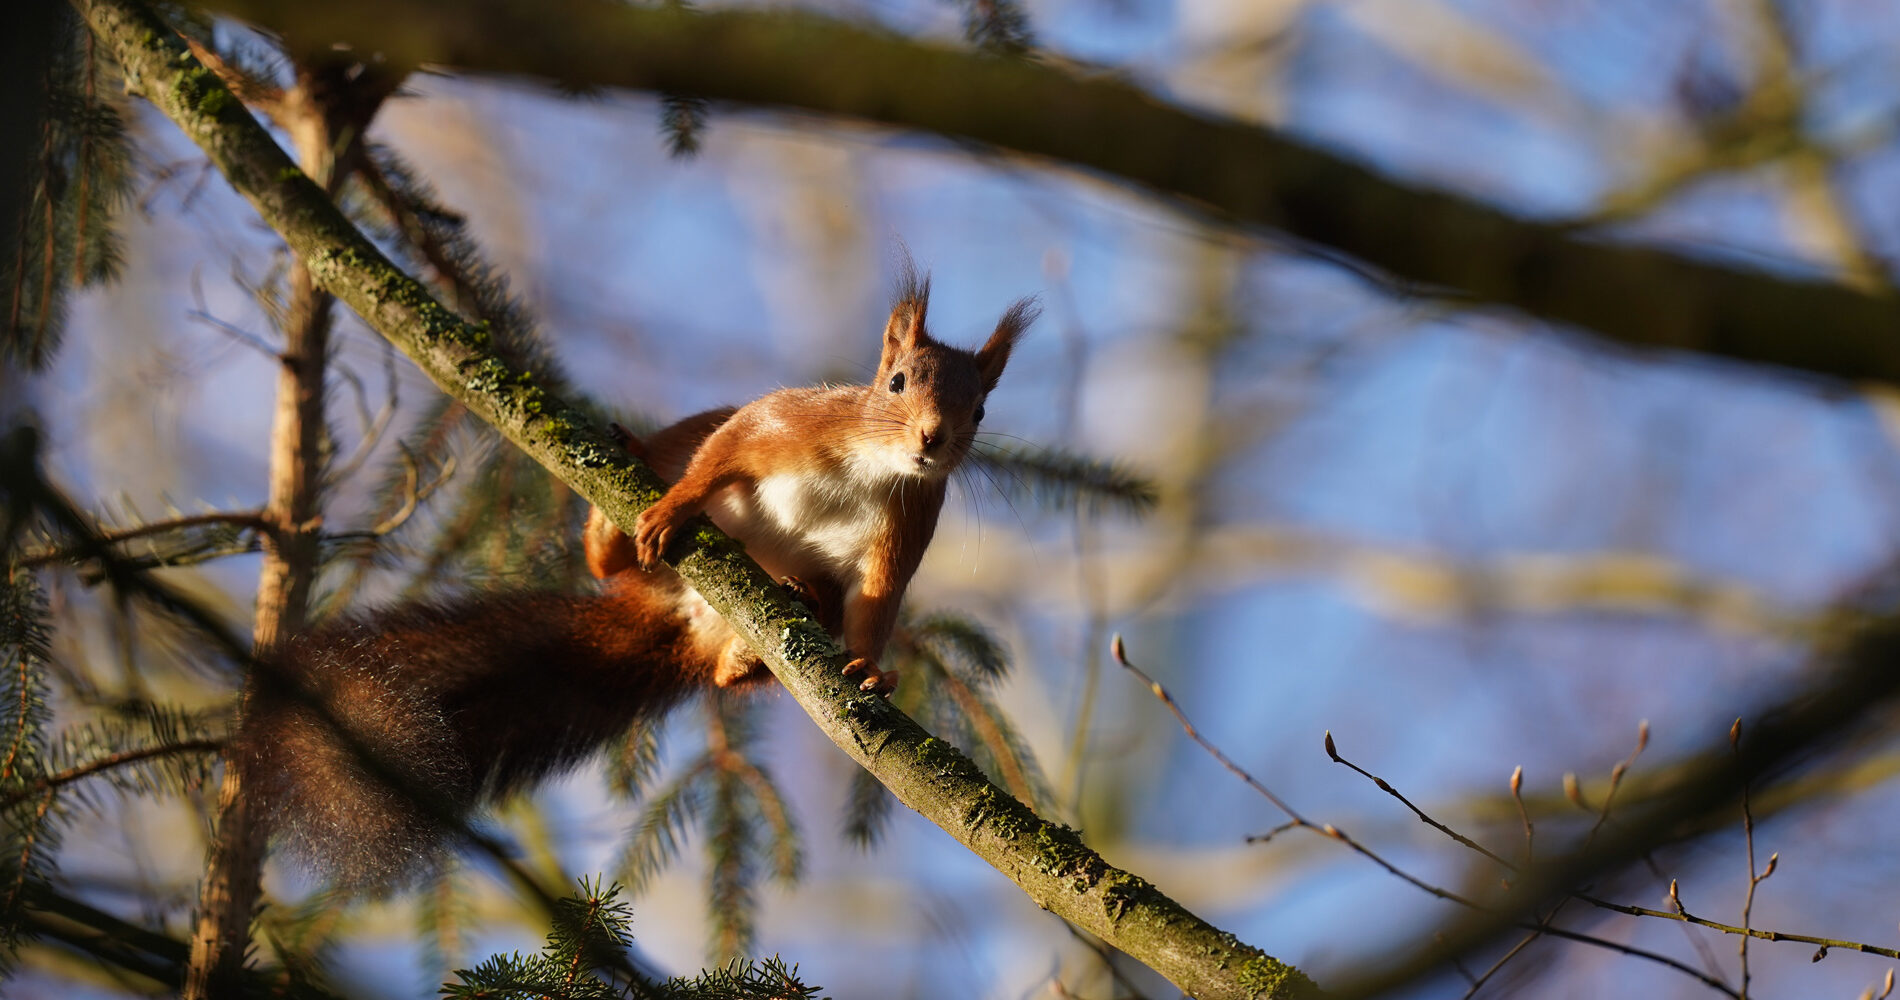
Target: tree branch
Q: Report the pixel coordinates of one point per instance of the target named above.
(1049, 862)
(1635, 295)
(103, 936)
(107, 763)
(247, 519)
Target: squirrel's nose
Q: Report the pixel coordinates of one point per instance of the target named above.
(931, 436)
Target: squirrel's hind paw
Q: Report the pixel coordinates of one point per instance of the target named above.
(881, 681)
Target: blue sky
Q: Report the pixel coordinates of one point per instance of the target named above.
(1386, 424)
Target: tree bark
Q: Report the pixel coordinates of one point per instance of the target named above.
(1630, 294)
(1051, 863)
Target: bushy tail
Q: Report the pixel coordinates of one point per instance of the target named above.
(354, 772)
(367, 741)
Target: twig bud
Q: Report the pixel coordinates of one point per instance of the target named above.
(1115, 646)
(1573, 791)
(1616, 773)
(1735, 734)
(1773, 859)
(1819, 953)
(1331, 751)
(1887, 990)
(1517, 781)
(1642, 736)
(1332, 831)
(1675, 901)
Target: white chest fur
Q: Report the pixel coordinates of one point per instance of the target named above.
(809, 523)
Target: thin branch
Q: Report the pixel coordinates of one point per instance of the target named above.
(106, 763)
(1120, 652)
(1328, 829)
(1748, 836)
(1682, 915)
(251, 520)
(1530, 829)
(1332, 751)
(1616, 778)
(1747, 932)
(1694, 973)
(1478, 982)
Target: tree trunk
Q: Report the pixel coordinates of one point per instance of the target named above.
(325, 105)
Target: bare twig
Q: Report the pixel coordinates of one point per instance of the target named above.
(1516, 949)
(1683, 915)
(1296, 820)
(1616, 778)
(1530, 829)
(1332, 750)
(252, 520)
(1161, 694)
(1710, 981)
(1702, 949)
(413, 495)
(373, 425)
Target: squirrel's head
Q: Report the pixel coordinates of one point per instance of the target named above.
(927, 398)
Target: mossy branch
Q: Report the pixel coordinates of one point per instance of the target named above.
(1057, 870)
(1635, 295)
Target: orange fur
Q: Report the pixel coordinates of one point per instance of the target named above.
(838, 487)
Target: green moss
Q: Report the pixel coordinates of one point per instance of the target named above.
(1059, 852)
(586, 453)
(1122, 892)
(715, 542)
(992, 808)
(191, 85)
(288, 173)
(437, 323)
(216, 102)
(1262, 976)
(804, 639)
(485, 375)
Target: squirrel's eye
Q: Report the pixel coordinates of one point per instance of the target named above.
(897, 382)
(977, 417)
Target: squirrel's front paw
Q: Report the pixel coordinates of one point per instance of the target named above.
(881, 681)
(651, 531)
(804, 593)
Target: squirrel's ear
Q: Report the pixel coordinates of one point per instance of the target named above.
(994, 354)
(905, 329)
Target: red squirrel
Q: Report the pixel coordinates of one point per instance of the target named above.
(834, 489)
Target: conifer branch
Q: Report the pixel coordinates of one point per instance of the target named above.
(106, 763)
(1049, 862)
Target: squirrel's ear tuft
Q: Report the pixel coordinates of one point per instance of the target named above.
(905, 330)
(994, 354)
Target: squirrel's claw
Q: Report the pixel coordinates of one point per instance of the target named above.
(881, 681)
(804, 593)
(650, 535)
